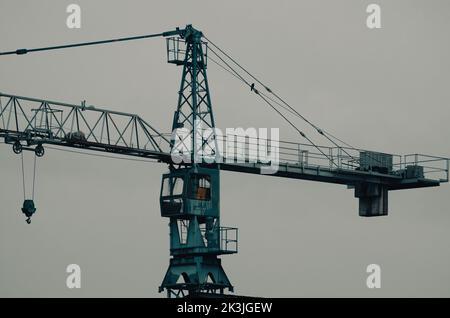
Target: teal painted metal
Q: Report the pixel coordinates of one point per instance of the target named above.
(190, 195)
(190, 192)
(190, 199)
(194, 108)
(28, 209)
(179, 197)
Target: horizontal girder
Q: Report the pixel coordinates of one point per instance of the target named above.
(35, 121)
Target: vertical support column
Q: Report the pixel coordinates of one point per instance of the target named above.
(195, 267)
(194, 101)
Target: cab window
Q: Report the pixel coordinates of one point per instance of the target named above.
(200, 187)
(172, 186)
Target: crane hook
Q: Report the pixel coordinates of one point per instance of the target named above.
(28, 209)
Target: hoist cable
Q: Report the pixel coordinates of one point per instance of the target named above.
(319, 130)
(23, 176)
(322, 132)
(234, 73)
(265, 98)
(34, 176)
(237, 77)
(231, 69)
(262, 84)
(48, 48)
(298, 130)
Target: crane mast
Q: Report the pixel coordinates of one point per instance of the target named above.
(190, 195)
(190, 190)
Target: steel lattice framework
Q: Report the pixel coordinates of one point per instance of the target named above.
(190, 191)
(36, 122)
(194, 111)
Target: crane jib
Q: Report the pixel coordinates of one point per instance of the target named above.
(190, 190)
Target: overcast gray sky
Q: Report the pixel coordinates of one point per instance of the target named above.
(384, 89)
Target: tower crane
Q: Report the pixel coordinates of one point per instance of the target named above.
(190, 190)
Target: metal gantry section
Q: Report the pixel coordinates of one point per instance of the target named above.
(28, 123)
(194, 110)
(190, 191)
(190, 196)
(371, 174)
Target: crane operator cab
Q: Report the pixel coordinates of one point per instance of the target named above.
(189, 191)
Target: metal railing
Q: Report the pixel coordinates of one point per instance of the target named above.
(177, 49)
(433, 167)
(42, 120)
(33, 119)
(246, 149)
(243, 149)
(229, 239)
